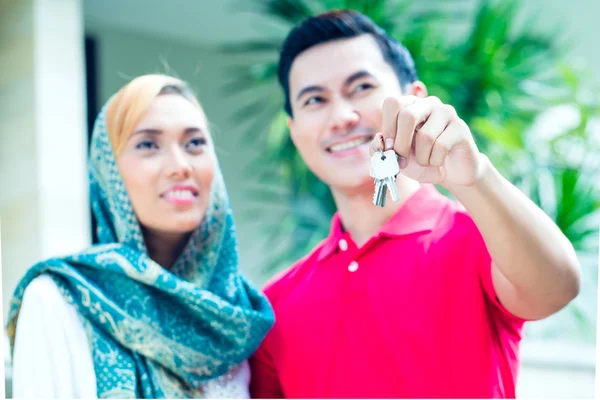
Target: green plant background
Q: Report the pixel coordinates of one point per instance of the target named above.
(535, 115)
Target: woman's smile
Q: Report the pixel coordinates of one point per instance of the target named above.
(180, 195)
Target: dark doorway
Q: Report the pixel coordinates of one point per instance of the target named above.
(91, 73)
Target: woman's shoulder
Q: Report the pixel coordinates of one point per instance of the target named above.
(51, 352)
(42, 288)
(43, 295)
(46, 316)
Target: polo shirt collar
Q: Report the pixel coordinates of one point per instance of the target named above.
(419, 213)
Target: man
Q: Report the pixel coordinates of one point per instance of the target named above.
(425, 297)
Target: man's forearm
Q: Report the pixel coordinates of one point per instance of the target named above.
(524, 243)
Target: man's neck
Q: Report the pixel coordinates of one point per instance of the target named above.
(360, 217)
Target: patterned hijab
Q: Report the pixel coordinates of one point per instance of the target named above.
(155, 332)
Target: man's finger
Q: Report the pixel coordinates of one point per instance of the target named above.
(444, 143)
(427, 134)
(391, 108)
(409, 118)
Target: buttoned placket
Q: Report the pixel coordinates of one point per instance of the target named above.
(350, 265)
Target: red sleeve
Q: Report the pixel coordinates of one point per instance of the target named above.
(484, 269)
(264, 383)
(485, 275)
(481, 264)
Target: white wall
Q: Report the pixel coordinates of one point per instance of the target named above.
(576, 21)
(18, 178)
(43, 190)
(552, 369)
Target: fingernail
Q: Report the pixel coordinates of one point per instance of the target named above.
(402, 162)
(389, 143)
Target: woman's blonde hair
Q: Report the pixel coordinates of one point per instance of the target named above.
(132, 101)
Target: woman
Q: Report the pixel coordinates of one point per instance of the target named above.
(158, 308)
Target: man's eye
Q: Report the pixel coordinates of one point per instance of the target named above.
(314, 100)
(363, 86)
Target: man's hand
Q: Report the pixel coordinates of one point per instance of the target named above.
(434, 144)
(535, 271)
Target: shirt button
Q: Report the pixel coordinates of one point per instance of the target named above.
(353, 266)
(343, 244)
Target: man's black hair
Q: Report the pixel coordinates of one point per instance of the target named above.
(341, 24)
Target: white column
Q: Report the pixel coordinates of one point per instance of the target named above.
(43, 140)
(61, 132)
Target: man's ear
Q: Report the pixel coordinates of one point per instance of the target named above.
(417, 89)
(290, 124)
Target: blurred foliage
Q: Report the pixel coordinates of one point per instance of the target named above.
(505, 79)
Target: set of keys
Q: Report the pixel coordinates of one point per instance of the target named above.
(384, 168)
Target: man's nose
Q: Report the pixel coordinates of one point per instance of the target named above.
(344, 117)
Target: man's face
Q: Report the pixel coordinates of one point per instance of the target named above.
(337, 90)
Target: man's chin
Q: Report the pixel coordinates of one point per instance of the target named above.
(352, 184)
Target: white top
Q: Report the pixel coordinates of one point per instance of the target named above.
(52, 358)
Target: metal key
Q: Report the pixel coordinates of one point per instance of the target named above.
(384, 168)
(380, 193)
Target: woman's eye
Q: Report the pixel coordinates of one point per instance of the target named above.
(314, 100)
(196, 143)
(146, 145)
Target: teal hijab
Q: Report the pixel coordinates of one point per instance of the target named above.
(154, 332)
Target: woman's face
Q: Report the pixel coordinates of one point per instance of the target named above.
(168, 164)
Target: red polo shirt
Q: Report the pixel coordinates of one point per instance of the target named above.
(411, 314)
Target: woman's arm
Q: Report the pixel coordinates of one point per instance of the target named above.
(52, 358)
(233, 385)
